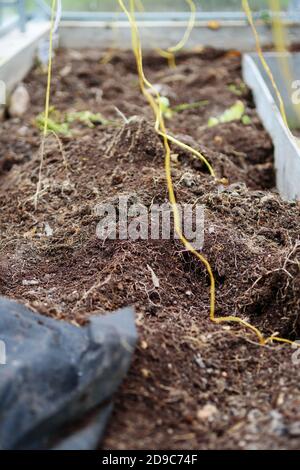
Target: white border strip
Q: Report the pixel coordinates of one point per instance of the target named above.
(287, 151)
(17, 52)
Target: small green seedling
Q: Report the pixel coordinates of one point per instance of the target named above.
(87, 118)
(60, 123)
(266, 17)
(237, 90)
(168, 111)
(234, 113)
(54, 123)
(185, 106)
(246, 120)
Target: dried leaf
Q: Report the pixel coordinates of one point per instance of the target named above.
(155, 279)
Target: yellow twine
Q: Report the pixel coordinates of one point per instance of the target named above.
(249, 15)
(170, 52)
(47, 103)
(161, 130)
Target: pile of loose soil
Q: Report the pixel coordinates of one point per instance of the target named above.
(193, 384)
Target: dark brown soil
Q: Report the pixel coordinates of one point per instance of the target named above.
(192, 384)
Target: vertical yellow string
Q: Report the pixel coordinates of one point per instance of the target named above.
(47, 103)
(161, 130)
(249, 15)
(279, 34)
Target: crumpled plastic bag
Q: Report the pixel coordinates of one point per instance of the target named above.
(57, 384)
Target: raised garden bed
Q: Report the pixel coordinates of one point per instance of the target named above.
(287, 150)
(193, 384)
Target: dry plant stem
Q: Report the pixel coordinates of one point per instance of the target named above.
(161, 130)
(64, 158)
(170, 56)
(47, 102)
(170, 52)
(249, 15)
(94, 287)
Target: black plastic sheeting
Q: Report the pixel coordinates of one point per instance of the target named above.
(57, 385)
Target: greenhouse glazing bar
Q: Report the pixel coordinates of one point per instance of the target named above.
(175, 16)
(19, 6)
(292, 15)
(5, 29)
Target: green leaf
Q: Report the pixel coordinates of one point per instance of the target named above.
(213, 121)
(246, 120)
(60, 124)
(234, 113)
(52, 125)
(237, 90)
(164, 104)
(185, 106)
(87, 117)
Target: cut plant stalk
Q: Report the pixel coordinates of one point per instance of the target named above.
(249, 15)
